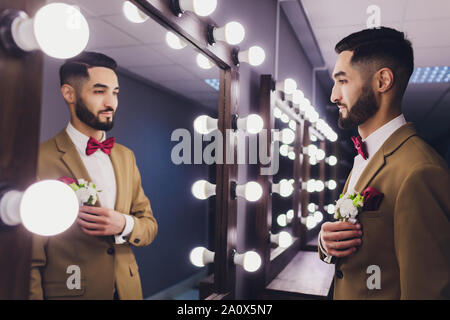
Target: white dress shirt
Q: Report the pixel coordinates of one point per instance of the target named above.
(373, 143)
(101, 171)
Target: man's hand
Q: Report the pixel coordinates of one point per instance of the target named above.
(96, 221)
(337, 238)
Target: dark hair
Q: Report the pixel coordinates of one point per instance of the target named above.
(386, 47)
(77, 67)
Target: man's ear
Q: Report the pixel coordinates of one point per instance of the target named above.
(385, 80)
(68, 93)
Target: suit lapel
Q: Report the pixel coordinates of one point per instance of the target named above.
(118, 162)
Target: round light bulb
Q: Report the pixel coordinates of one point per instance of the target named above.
(48, 207)
(293, 125)
(233, 33)
(320, 154)
(312, 160)
(312, 137)
(312, 149)
(319, 186)
(252, 191)
(287, 136)
(254, 124)
(202, 8)
(286, 188)
(277, 113)
(203, 62)
(332, 160)
(310, 222)
(202, 189)
(133, 13)
(205, 124)
(311, 207)
(256, 56)
(297, 96)
(290, 85)
(284, 118)
(291, 155)
(284, 150)
(318, 216)
(311, 185)
(252, 261)
(332, 184)
(61, 31)
(282, 220)
(290, 214)
(174, 41)
(201, 256)
(285, 239)
(331, 209)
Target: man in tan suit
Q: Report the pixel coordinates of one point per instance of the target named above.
(400, 249)
(93, 258)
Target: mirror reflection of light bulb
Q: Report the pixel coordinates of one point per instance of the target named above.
(320, 154)
(203, 62)
(331, 184)
(201, 256)
(293, 125)
(310, 222)
(330, 208)
(251, 191)
(319, 186)
(282, 220)
(312, 161)
(287, 136)
(288, 86)
(48, 207)
(253, 123)
(290, 214)
(331, 160)
(255, 56)
(284, 188)
(205, 124)
(311, 150)
(311, 185)
(318, 216)
(291, 155)
(282, 239)
(297, 96)
(174, 41)
(284, 150)
(284, 118)
(233, 33)
(312, 207)
(133, 13)
(251, 261)
(277, 113)
(203, 189)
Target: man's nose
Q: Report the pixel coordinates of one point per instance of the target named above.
(335, 95)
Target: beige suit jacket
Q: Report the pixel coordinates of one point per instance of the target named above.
(102, 263)
(408, 237)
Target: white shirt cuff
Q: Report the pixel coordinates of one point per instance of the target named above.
(327, 256)
(129, 225)
(10, 208)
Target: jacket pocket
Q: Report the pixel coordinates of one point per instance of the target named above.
(134, 269)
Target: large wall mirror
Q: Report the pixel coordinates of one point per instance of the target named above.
(165, 84)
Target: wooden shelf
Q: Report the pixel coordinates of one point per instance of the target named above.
(305, 277)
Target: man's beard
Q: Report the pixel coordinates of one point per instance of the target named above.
(90, 119)
(363, 109)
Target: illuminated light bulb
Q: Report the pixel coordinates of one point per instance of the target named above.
(290, 215)
(203, 189)
(48, 207)
(133, 13)
(330, 208)
(58, 29)
(331, 160)
(314, 116)
(277, 113)
(251, 261)
(331, 184)
(288, 86)
(304, 105)
(312, 207)
(286, 136)
(319, 186)
(282, 239)
(251, 191)
(318, 216)
(174, 41)
(201, 256)
(320, 154)
(310, 185)
(333, 137)
(312, 137)
(205, 124)
(233, 33)
(310, 150)
(320, 125)
(201, 8)
(291, 155)
(283, 188)
(282, 220)
(203, 62)
(293, 125)
(297, 96)
(310, 222)
(254, 56)
(253, 123)
(284, 118)
(312, 160)
(285, 149)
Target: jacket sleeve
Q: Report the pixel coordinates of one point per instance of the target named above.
(422, 233)
(145, 225)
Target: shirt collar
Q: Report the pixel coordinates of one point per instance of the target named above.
(376, 139)
(79, 139)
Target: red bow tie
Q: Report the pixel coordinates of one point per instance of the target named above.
(93, 145)
(360, 146)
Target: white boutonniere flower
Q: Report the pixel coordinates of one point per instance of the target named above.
(86, 192)
(348, 206)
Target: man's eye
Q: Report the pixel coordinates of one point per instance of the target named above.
(342, 81)
(116, 93)
(99, 91)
